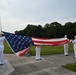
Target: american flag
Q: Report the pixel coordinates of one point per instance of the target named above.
(21, 44)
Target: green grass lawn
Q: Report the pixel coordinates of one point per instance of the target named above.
(7, 49)
(71, 66)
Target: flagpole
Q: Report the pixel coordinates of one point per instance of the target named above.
(0, 25)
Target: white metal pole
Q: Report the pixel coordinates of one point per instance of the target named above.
(0, 25)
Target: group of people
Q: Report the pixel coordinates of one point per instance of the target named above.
(66, 46)
(38, 49)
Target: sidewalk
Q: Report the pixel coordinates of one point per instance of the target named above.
(49, 65)
(6, 69)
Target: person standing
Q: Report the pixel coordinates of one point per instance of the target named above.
(38, 49)
(1, 48)
(65, 47)
(74, 47)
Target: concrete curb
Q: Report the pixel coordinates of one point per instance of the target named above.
(10, 70)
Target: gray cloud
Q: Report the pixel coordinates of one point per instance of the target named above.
(38, 11)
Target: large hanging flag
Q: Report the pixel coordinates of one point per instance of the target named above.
(21, 44)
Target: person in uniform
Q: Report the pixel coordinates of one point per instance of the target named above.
(38, 49)
(74, 47)
(1, 48)
(65, 47)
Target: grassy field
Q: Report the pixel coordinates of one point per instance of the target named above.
(7, 49)
(45, 50)
(71, 66)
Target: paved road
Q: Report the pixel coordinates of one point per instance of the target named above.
(49, 65)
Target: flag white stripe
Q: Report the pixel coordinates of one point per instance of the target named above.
(50, 40)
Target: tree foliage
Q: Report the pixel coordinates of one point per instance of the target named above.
(52, 30)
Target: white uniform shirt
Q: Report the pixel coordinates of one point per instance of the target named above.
(2, 42)
(66, 46)
(74, 42)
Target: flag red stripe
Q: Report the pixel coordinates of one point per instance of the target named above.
(53, 42)
(23, 52)
(35, 41)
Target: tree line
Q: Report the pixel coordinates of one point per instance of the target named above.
(52, 30)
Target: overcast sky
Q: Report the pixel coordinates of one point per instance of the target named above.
(16, 14)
